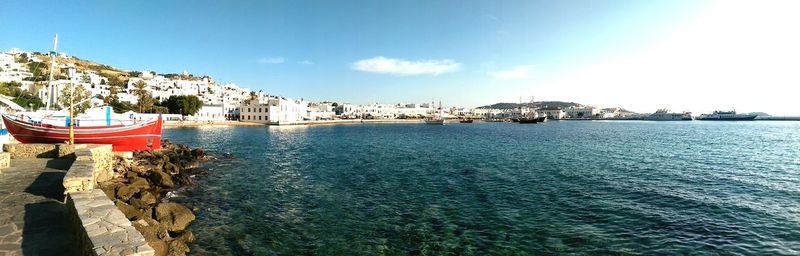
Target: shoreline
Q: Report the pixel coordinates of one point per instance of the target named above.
(188, 124)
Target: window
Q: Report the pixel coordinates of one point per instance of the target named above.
(259, 118)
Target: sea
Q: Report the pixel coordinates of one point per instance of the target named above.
(555, 188)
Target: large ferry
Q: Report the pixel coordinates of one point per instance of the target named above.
(726, 116)
(664, 115)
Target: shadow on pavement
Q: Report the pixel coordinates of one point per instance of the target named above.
(48, 230)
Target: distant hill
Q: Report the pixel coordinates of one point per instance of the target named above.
(547, 104)
(538, 104)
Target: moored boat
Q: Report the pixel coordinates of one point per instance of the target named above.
(122, 137)
(664, 115)
(437, 119)
(726, 116)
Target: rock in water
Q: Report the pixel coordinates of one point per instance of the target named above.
(161, 179)
(198, 153)
(174, 217)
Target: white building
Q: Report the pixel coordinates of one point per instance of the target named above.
(210, 113)
(582, 112)
(552, 113)
(277, 110)
(321, 111)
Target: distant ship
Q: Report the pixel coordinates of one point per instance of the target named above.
(437, 119)
(664, 115)
(531, 117)
(726, 116)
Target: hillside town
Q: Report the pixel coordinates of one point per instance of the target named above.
(228, 101)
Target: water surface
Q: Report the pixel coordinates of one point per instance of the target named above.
(565, 187)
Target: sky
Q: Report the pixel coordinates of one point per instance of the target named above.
(686, 55)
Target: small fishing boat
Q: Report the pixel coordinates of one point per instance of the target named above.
(95, 127)
(124, 136)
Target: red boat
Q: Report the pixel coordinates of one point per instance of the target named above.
(136, 136)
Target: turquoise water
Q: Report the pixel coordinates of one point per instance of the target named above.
(576, 187)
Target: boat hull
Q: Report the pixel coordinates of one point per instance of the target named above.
(435, 122)
(528, 120)
(142, 136)
(743, 118)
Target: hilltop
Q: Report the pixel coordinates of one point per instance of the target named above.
(538, 104)
(41, 68)
(546, 104)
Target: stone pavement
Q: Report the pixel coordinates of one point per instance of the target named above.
(33, 218)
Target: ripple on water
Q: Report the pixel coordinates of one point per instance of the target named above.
(486, 188)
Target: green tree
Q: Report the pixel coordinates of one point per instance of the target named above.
(253, 96)
(23, 58)
(38, 71)
(183, 104)
(11, 89)
(121, 106)
(77, 94)
(145, 100)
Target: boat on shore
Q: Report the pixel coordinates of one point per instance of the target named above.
(726, 116)
(664, 115)
(123, 135)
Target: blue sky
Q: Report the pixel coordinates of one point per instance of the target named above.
(467, 53)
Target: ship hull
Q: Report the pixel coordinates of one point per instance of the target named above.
(528, 120)
(142, 136)
(435, 122)
(744, 118)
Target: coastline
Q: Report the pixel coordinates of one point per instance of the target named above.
(320, 122)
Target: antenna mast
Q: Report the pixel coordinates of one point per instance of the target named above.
(50, 96)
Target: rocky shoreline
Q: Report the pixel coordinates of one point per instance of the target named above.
(140, 190)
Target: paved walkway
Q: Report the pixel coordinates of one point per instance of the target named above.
(33, 217)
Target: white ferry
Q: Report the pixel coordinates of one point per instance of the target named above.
(664, 115)
(726, 116)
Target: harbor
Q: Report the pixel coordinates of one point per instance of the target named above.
(412, 127)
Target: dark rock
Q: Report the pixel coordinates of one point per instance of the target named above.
(161, 179)
(125, 192)
(186, 237)
(130, 211)
(148, 198)
(198, 153)
(177, 247)
(135, 168)
(174, 217)
(172, 168)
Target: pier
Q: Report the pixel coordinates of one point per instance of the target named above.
(49, 204)
(34, 220)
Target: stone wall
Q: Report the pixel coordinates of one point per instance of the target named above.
(5, 160)
(21, 151)
(93, 164)
(106, 229)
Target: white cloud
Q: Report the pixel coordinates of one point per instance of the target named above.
(382, 65)
(306, 62)
(271, 60)
(518, 72)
